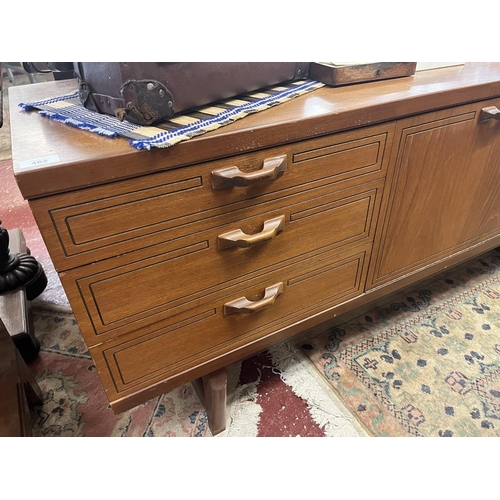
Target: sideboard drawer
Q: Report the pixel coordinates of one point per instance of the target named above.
(104, 221)
(211, 329)
(171, 278)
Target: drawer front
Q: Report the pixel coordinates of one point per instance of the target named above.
(101, 222)
(171, 278)
(135, 362)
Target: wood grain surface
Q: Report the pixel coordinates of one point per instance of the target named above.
(381, 184)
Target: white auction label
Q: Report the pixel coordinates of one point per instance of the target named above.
(38, 162)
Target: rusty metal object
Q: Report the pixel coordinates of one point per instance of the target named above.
(146, 101)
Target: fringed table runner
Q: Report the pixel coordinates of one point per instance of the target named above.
(69, 110)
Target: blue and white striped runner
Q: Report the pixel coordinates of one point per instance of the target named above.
(69, 110)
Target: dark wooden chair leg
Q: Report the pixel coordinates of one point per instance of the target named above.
(18, 390)
(31, 388)
(19, 319)
(212, 391)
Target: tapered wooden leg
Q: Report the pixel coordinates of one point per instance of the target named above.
(212, 391)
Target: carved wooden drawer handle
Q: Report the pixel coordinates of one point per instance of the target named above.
(238, 238)
(491, 112)
(243, 305)
(233, 176)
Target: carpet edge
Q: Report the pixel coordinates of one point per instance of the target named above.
(325, 410)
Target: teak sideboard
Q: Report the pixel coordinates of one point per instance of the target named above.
(180, 261)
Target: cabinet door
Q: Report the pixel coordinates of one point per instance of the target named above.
(445, 191)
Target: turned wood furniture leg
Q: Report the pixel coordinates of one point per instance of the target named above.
(18, 390)
(212, 391)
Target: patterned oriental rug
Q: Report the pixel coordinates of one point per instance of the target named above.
(427, 364)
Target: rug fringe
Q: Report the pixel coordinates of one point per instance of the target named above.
(49, 307)
(78, 124)
(325, 409)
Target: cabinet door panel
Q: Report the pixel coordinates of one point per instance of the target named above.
(445, 194)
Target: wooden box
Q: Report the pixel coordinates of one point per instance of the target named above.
(336, 74)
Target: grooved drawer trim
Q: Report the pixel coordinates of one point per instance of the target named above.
(207, 331)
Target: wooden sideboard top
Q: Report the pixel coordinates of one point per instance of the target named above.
(85, 158)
